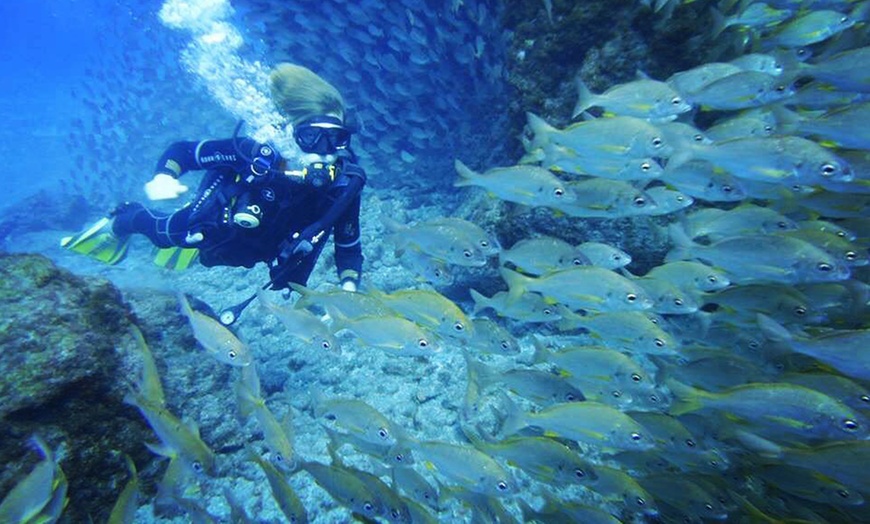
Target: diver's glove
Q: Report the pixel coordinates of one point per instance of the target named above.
(293, 250)
(297, 246)
(164, 187)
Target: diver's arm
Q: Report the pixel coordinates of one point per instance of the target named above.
(181, 157)
(344, 215)
(348, 248)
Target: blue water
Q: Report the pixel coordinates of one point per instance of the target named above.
(45, 48)
(94, 90)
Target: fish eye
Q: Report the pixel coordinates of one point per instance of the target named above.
(631, 297)
(395, 513)
(782, 225)
(828, 169)
(547, 311)
(843, 493)
(708, 506)
(676, 101)
(657, 142)
(502, 485)
(232, 354)
(851, 256)
(844, 19)
(850, 425)
(505, 345)
(865, 398)
(579, 473)
(467, 253)
(635, 437)
(279, 458)
(325, 344)
(780, 88)
(399, 458)
(646, 166)
(484, 243)
(423, 343)
(616, 393)
(800, 311)
(383, 433)
(458, 326)
(569, 397)
(659, 343)
(577, 262)
(558, 191)
(754, 345)
(654, 398)
(678, 301)
(726, 188)
(640, 502)
(712, 279)
(635, 377)
(639, 201)
(698, 138)
(368, 506)
(690, 443)
(197, 466)
(824, 267)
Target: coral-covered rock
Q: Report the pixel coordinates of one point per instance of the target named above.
(58, 331)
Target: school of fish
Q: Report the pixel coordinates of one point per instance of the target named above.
(730, 382)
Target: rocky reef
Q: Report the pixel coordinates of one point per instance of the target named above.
(68, 357)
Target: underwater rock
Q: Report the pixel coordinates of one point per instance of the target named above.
(65, 341)
(69, 358)
(45, 210)
(59, 331)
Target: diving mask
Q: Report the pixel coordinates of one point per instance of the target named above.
(323, 135)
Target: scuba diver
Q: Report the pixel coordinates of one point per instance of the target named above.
(251, 205)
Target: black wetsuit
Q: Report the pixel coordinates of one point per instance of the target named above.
(245, 179)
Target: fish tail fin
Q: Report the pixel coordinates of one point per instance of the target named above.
(514, 418)
(393, 226)
(540, 130)
(542, 352)
(483, 375)
(534, 155)
(306, 296)
(585, 97)
(517, 283)
(679, 158)
(186, 310)
(480, 302)
(339, 319)
(682, 244)
(772, 329)
(686, 398)
(466, 174)
(718, 22)
(247, 400)
(568, 319)
(787, 121)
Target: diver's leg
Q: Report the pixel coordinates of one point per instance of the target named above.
(162, 229)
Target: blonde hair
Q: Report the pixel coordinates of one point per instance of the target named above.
(300, 94)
